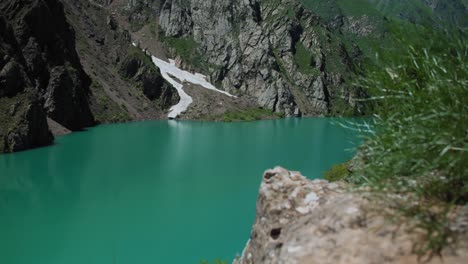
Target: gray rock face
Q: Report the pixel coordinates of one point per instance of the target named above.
(140, 12)
(300, 221)
(257, 47)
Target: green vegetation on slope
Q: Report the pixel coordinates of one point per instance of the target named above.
(419, 144)
(104, 109)
(136, 52)
(337, 172)
(360, 13)
(382, 15)
(449, 13)
(329, 9)
(303, 59)
(187, 49)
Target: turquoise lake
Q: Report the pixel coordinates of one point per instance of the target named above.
(152, 192)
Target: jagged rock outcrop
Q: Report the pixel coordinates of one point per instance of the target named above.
(300, 221)
(30, 129)
(40, 74)
(45, 44)
(276, 51)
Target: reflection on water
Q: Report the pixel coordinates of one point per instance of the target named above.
(151, 192)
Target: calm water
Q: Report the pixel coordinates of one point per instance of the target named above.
(151, 192)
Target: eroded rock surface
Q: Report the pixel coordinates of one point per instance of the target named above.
(301, 221)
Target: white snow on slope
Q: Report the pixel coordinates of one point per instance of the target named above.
(185, 99)
(170, 70)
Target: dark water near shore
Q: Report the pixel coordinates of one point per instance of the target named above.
(152, 192)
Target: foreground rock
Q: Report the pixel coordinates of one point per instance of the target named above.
(303, 221)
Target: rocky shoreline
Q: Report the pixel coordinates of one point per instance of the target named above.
(303, 221)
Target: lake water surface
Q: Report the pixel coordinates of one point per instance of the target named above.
(152, 192)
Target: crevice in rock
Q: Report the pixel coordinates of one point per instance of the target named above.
(275, 233)
(275, 103)
(295, 32)
(268, 175)
(326, 92)
(257, 13)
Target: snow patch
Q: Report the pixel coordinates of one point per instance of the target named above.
(185, 99)
(169, 69)
(171, 72)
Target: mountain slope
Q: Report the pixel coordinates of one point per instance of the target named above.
(45, 81)
(276, 51)
(370, 23)
(451, 13)
(126, 84)
(446, 13)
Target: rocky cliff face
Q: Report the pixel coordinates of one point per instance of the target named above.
(276, 51)
(141, 12)
(43, 76)
(46, 42)
(305, 222)
(40, 74)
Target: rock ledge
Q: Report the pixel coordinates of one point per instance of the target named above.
(304, 221)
